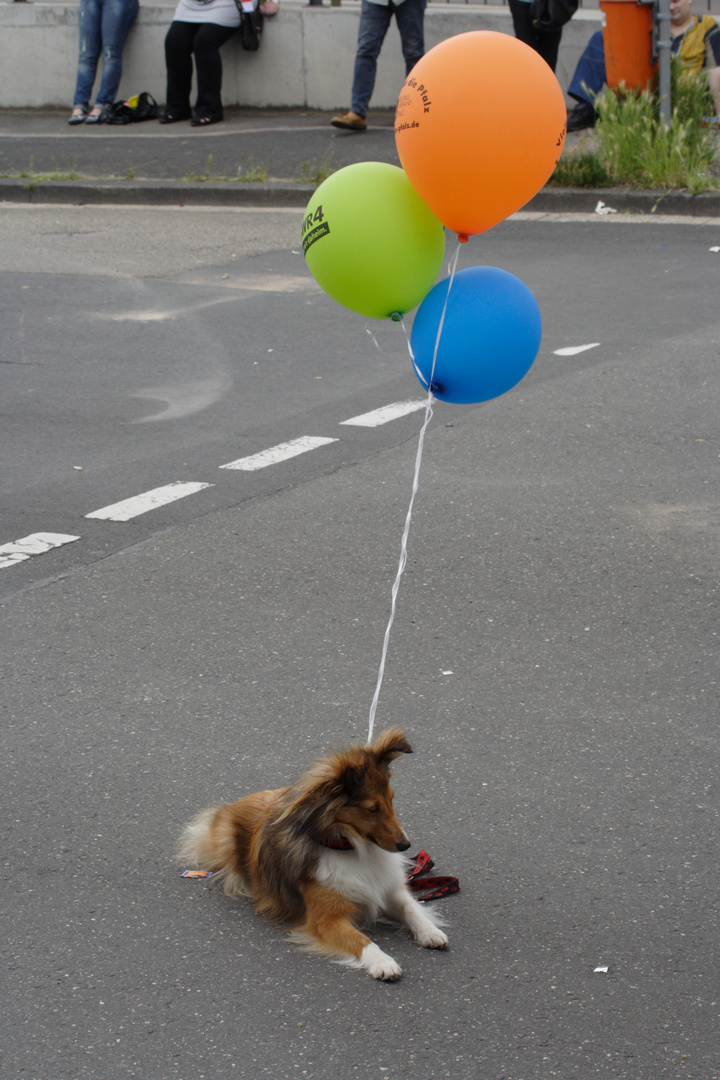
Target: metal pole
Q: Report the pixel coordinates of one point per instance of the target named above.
(662, 48)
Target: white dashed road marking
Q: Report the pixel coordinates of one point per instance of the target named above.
(38, 543)
(281, 452)
(35, 544)
(573, 350)
(150, 500)
(385, 414)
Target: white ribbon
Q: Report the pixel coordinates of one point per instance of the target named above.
(416, 480)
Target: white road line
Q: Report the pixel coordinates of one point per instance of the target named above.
(150, 500)
(573, 350)
(278, 453)
(35, 544)
(385, 414)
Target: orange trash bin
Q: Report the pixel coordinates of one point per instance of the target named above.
(627, 37)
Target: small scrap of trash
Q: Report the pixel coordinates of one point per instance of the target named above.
(196, 873)
(601, 208)
(603, 969)
(715, 249)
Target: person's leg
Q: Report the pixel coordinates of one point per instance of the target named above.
(374, 22)
(586, 84)
(589, 77)
(90, 43)
(178, 61)
(544, 42)
(548, 45)
(410, 16)
(208, 68)
(522, 22)
(117, 18)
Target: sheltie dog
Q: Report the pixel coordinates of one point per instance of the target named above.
(322, 856)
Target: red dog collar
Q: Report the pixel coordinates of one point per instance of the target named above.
(337, 843)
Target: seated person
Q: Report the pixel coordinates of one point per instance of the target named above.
(695, 40)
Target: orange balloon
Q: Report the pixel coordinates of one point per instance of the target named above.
(479, 128)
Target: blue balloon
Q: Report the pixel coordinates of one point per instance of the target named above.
(490, 335)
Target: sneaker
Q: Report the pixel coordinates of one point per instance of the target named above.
(349, 121)
(582, 116)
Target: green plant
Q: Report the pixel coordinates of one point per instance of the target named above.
(195, 178)
(582, 168)
(35, 177)
(633, 145)
(316, 172)
(637, 147)
(252, 174)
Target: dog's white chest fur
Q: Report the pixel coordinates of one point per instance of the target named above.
(366, 875)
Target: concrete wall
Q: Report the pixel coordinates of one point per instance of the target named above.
(306, 57)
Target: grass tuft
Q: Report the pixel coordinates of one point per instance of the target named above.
(35, 177)
(634, 146)
(581, 168)
(314, 172)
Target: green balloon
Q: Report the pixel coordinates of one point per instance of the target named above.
(371, 242)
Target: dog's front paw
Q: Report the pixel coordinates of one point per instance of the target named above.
(379, 964)
(432, 938)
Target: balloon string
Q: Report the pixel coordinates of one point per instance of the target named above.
(416, 481)
(370, 334)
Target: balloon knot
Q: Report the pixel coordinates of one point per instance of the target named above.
(396, 316)
(463, 237)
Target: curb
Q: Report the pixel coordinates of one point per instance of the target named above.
(288, 193)
(625, 201)
(156, 192)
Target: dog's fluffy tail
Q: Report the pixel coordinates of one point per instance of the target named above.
(208, 843)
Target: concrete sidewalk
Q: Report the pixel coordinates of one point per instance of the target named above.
(256, 157)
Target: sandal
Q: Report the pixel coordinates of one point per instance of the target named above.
(78, 115)
(173, 118)
(203, 121)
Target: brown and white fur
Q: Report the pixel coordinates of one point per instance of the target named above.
(278, 848)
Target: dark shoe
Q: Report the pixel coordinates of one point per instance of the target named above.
(78, 115)
(173, 118)
(582, 116)
(349, 121)
(205, 120)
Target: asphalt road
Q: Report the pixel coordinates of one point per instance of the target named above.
(553, 660)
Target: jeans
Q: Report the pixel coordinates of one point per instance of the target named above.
(374, 22)
(589, 77)
(204, 41)
(545, 42)
(104, 25)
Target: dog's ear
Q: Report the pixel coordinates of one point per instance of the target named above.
(319, 792)
(391, 744)
(351, 780)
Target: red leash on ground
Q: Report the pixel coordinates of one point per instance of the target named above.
(432, 888)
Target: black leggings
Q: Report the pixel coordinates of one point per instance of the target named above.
(204, 40)
(545, 42)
